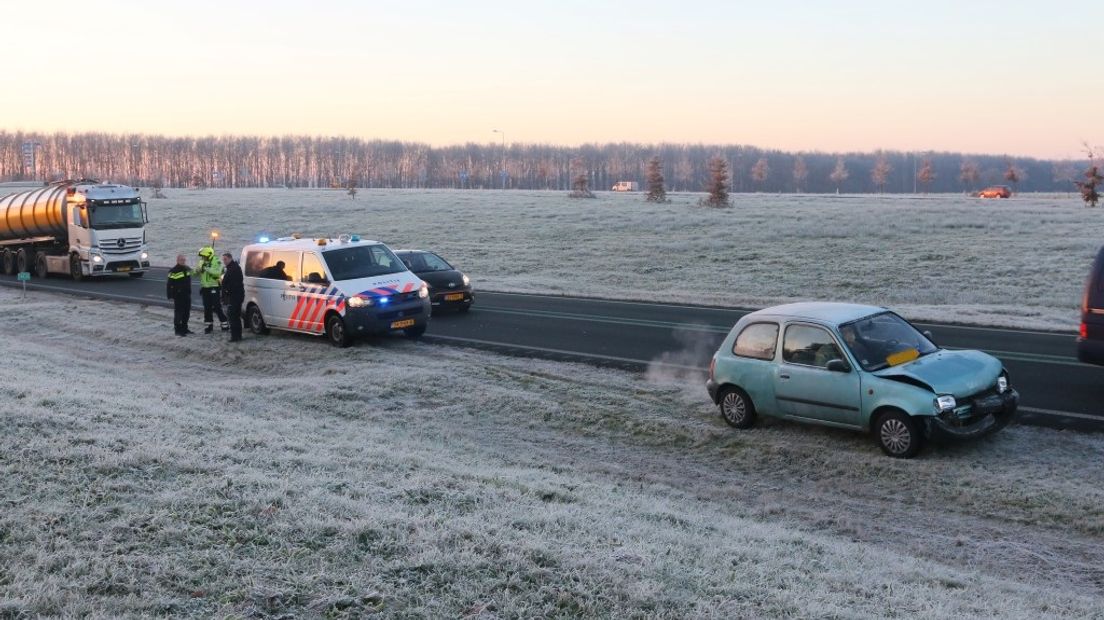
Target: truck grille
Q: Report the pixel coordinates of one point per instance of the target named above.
(112, 247)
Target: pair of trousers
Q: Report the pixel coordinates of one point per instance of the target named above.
(212, 305)
(234, 310)
(182, 311)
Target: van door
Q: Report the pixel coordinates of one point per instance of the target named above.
(317, 292)
(274, 276)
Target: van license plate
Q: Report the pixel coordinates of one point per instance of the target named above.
(403, 323)
(454, 297)
(122, 269)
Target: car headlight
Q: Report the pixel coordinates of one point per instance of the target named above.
(945, 403)
(358, 302)
(424, 291)
(467, 280)
(1002, 384)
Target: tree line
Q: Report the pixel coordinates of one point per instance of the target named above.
(308, 161)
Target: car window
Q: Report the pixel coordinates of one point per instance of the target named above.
(313, 271)
(272, 265)
(757, 341)
(809, 346)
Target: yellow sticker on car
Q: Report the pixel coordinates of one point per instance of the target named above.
(902, 357)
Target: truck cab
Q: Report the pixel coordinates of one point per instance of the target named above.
(106, 232)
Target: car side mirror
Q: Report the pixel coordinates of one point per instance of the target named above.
(929, 336)
(838, 365)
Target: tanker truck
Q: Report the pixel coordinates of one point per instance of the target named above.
(82, 228)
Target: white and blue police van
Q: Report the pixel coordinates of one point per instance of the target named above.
(342, 288)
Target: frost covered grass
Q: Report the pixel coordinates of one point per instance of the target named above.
(1020, 262)
(144, 474)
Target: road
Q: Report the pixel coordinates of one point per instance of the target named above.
(1056, 389)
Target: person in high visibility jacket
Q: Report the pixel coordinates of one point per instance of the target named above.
(209, 271)
(178, 287)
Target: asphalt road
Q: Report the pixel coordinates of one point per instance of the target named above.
(1056, 389)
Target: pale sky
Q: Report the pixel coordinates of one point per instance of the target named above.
(1016, 77)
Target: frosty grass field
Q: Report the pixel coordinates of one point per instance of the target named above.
(143, 474)
(1020, 262)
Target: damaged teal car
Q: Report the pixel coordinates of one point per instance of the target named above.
(857, 367)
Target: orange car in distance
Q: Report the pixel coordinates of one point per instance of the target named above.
(996, 191)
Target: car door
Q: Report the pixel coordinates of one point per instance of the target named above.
(805, 388)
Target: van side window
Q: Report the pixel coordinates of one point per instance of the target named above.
(313, 271)
(272, 265)
(757, 341)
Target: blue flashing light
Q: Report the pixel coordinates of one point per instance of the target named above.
(354, 238)
(384, 301)
(263, 239)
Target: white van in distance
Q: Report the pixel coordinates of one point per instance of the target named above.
(342, 288)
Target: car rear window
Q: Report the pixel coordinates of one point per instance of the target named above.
(757, 341)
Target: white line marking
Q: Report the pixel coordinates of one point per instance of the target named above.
(612, 358)
(1063, 414)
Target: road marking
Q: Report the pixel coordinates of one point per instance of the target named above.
(577, 354)
(1063, 414)
(595, 318)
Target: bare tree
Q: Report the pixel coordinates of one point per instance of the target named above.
(656, 191)
(839, 174)
(926, 174)
(1092, 178)
(718, 183)
(760, 171)
(800, 173)
(880, 174)
(1014, 174)
(580, 186)
(968, 173)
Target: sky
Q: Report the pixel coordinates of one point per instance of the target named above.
(1018, 78)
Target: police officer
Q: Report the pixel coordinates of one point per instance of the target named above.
(209, 271)
(179, 289)
(233, 289)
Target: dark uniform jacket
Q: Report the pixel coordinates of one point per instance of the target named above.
(233, 285)
(179, 283)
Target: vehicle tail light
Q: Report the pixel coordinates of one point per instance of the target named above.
(1084, 330)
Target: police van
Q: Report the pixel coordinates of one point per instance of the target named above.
(343, 288)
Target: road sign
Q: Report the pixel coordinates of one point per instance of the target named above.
(23, 276)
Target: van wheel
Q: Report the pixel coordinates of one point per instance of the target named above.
(75, 268)
(255, 320)
(737, 408)
(898, 434)
(8, 263)
(40, 264)
(335, 331)
(415, 332)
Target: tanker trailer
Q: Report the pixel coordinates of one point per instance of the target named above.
(81, 228)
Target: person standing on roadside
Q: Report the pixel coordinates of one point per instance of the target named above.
(209, 271)
(233, 292)
(178, 287)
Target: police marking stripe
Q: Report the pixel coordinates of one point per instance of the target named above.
(295, 313)
(313, 323)
(312, 300)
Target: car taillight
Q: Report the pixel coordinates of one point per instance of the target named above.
(1084, 329)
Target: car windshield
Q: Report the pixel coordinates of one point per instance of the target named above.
(422, 262)
(363, 261)
(884, 340)
(117, 216)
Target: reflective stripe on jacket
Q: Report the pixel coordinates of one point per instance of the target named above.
(209, 273)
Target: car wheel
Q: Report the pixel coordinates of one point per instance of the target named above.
(737, 408)
(415, 332)
(464, 309)
(898, 434)
(336, 333)
(255, 321)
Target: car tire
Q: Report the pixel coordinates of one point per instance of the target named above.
(736, 408)
(415, 332)
(465, 309)
(336, 332)
(255, 320)
(898, 434)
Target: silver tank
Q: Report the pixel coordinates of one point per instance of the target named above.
(35, 213)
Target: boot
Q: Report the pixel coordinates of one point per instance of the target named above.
(225, 327)
(210, 328)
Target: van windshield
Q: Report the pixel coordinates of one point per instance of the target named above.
(365, 261)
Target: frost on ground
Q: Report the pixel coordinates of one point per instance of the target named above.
(144, 474)
(1020, 262)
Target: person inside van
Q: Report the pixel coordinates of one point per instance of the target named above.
(275, 272)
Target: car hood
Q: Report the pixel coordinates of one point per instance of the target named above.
(958, 373)
(439, 280)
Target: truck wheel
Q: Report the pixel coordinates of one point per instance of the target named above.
(75, 268)
(40, 264)
(8, 261)
(336, 333)
(255, 321)
(414, 332)
(24, 261)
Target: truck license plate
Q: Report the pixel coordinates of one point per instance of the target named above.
(403, 323)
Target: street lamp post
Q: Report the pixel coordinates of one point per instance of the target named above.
(503, 173)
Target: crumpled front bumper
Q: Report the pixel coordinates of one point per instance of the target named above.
(950, 426)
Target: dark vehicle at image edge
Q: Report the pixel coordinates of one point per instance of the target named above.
(449, 288)
(1090, 340)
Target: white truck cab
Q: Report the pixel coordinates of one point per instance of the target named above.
(343, 288)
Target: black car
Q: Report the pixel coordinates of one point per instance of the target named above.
(1090, 342)
(448, 287)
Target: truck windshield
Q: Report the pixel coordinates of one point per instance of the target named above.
(117, 216)
(363, 261)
